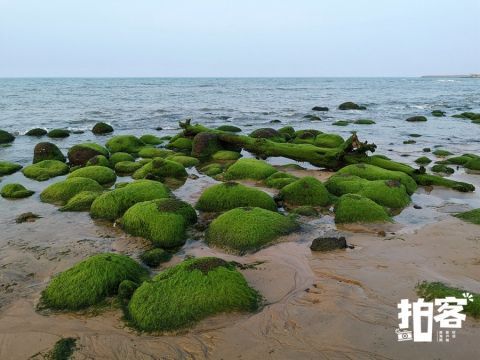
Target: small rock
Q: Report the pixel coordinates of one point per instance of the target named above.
(417, 206)
(382, 233)
(328, 243)
(193, 176)
(27, 217)
(320, 108)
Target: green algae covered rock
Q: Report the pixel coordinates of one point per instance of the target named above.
(364, 122)
(230, 195)
(226, 155)
(101, 174)
(189, 292)
(58, 133)
(423, 160)
(473, 164)
(98, 160)
(15, 191)
(36, 132)
(279, 179)
(124, 143)
(438, 113)
(186, 161)
(81, 201)
(212, 169)
(433, 180)
(417, 118)
(61, 192)
(306, 210)
(162, 221)
(127, 167)
(328, 140)
(441, 153)
(472, 216)
(160, 169)
(248, 229)
(6, 137)
(111, 205)
(341, 123)
(79, 154)
(351, 106)
(102, 128)
(90, 282)
(180, 143)
(267, 133)
(460, 160)
(7, 168)
(151, 152)
(120, 156)
(306, 191)
(150, 139)
(353, 208)
(155, 257)
(47, 151)
(372, 172)
(249, 169)
(440, 168)
(388, 193)
(229, 128)
(45, 170)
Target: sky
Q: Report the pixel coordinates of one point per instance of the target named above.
(243, 38)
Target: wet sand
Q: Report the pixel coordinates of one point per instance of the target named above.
(336, 305)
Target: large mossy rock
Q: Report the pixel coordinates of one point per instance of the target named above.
(372, 172)
(45, 170)
(161, 169)
(267, 133)
(150, 139)
(279, 179)
(15, 191)
(388, 193)
(351, 106)
(249, 169)
(151, 152)
(120, 156)
(81, 202)
(248, 229)
(90, 282)
(189, 292)
(204, 145)
(7, 168)
(112, 205)
(473, 164)
(81, 153)
(353, 208)
(180, 143)
(226, 155)
(328, 140)
(102, 128)
(306, 191)
(186, 161)
(98, 160)
(161, 221)
(6, 137)
(124, 143)
(61, 192)
(229, 128)
(127, 167)
(47, 151)
(101, 174)
(36, 132)
(230, 195)
(58, 133)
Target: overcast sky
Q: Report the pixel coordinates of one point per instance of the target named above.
(239, 38)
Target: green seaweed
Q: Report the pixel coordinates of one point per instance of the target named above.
(101, 174)
(61, 192)
(15, 191)
(249, 169)
(353, 208)
(45, 170)
(306, 191)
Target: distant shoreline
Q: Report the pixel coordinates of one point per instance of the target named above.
(452, 76)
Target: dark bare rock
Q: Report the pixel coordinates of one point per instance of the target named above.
(27, 217)
(328, 243)
(320, 108)
(47, 151)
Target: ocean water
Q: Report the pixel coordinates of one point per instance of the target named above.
(140, 105)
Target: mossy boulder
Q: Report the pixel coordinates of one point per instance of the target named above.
(36, 132)
(47, 151)
(230, 195)
(80, 154)
(423, 160)
(409, 142)
(15, 191)
(341, 123)
(45, 170)
(120, 156)
(212, 169)
(460, 160)
(61, 192)
(155, 257)
(288, 132)
(181, 143)
(372, 172)
(305, 210)
(328, 140)
(160, 169)
(58, 133)
(126, 289)
(98, 160)
(150, 139)
(440, 168)
(417, 118)
(353, 208)
(438, 113)
(7, 168)
(101, 174)
(204, 145)
(127, 167)
(186, 161)
(468, 115)
(101, 128)
(267, 133)
(151, 152)
(229, 128)
(312, 117)
(90, 281)
(189, 292)
(249, 169)
(6, 137)
(124, 143)
(248, 229)
(364, 122)
(81, 201)
(473, 164)
(472, 216)
(305, 191)
(226, 155)
(351, 106)
(111, 205)
(388, 193)
(279, 179)
(441, 153)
